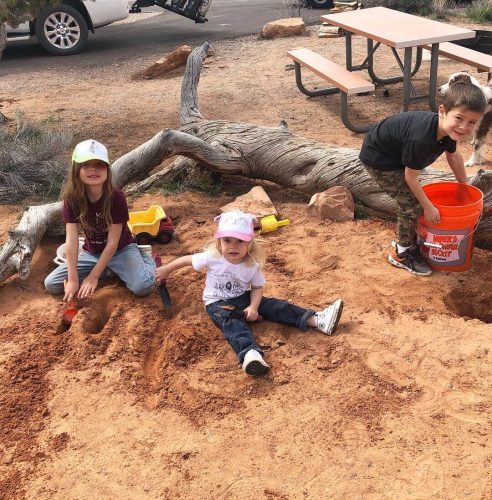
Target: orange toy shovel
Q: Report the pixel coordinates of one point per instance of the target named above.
(70, 311)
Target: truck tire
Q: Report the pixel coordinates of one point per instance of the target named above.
(62, 30)
(144, 239)
(321, 4)
(164, 237)
(204, 7)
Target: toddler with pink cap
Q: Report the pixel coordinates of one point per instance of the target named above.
(233, 293)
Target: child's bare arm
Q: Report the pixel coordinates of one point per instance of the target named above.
(251, 312)
(431, 213)
(72, 252)
(163, 272)
(457, 165)
(107, 254)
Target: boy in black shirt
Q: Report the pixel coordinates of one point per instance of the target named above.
(398, 148)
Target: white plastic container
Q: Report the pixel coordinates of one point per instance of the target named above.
(60, 252)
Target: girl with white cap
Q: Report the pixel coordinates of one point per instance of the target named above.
(92, 203)
(233, 291)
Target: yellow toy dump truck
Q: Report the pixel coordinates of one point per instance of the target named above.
(151, 224)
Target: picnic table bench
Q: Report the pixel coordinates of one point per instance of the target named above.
(344, 82)
(470, 57)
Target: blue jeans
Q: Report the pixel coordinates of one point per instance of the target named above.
(237, 331)
(135, 269)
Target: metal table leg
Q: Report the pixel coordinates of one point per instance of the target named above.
(345, 118)
(392, 79)
(407, 75)
(348, 51)
(433, 76)
(311, 93)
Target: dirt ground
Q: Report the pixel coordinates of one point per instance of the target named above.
(129, 404)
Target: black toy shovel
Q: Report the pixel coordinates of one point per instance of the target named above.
(166, 298)
(163, 292)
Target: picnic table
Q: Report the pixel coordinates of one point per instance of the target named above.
(397, 30)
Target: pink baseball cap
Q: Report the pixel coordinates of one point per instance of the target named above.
(235, 224)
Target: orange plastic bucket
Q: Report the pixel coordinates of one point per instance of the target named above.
(448, 246)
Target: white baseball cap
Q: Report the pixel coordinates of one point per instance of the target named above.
(90, 150)
(235, 224)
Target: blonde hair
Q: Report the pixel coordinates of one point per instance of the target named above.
(74, 193)
(255, 255)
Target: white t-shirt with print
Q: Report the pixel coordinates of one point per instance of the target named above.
(225, 280)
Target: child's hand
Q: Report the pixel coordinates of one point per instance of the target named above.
(71, 289)
(162, 273)
(88, 287)
(432, 215)
(251, 314)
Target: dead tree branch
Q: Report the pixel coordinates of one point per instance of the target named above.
(251, 151)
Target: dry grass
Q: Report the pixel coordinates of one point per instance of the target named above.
(30, 160)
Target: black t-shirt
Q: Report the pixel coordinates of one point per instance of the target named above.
(405, 140)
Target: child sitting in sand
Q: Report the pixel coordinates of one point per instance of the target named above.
(233, 292)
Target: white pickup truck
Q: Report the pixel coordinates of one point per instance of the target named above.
(64, 29)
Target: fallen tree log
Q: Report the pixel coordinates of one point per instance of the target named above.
(251, 151)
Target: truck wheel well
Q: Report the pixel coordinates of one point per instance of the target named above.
(77, 5)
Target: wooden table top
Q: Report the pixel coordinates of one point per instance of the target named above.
(396, 29)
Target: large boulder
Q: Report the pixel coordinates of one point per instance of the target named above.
(292, 26)
(336, 204)
(255, 202)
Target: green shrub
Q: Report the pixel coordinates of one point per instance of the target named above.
(480, 11)
(421, 7)
(360, 210)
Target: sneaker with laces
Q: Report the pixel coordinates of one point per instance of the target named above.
(254, 364)
(411, 259)
(328, 318)
(145, 250)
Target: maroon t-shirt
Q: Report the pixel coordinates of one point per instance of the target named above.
(96, 241)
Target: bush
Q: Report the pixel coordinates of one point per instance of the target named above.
(441, 9)
(480, 11)
(421, 7)
(291, 8)
(30, 161)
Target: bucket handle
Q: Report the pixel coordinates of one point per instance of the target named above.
(438, 245)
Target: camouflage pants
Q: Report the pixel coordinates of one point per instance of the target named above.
(393, 184)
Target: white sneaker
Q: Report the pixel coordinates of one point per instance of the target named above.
(328, 318)
(145, 250)
(254, 364)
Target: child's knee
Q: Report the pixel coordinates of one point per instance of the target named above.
(52, 286)
(142, 289)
